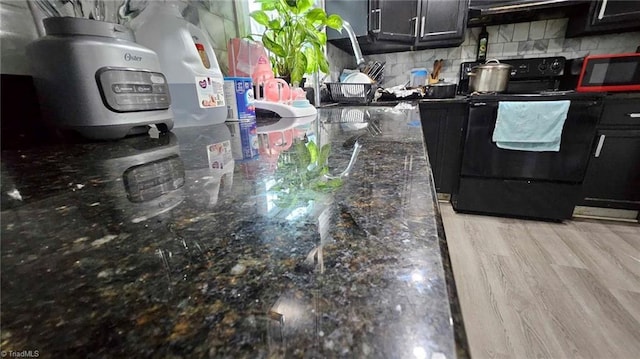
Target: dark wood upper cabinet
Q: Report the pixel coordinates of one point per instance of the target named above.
(400, 25)
(442, 22)
(603, 17)
(396, 20)
(612, 12)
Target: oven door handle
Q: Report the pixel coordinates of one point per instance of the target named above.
(599, 147)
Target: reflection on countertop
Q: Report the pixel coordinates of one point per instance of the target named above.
(160, 246)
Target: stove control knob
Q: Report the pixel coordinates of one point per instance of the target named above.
(542, 67)
(555, 66)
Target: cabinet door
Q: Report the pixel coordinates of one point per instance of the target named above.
(395, 20)
(613, 11)
(442, 127)
(442, 20)
(352, 11)
(613, 174)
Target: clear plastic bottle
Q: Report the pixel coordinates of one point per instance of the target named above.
(188, 62)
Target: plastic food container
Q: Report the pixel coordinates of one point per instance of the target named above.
(418, 77)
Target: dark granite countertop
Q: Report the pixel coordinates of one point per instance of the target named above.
(160, 246)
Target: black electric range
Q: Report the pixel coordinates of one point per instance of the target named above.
(538, 185)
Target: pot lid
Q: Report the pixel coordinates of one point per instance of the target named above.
(442, 83)
(493, 65)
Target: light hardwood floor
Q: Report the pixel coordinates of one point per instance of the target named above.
(531, 289)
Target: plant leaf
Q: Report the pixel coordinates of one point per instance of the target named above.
(299, 67)
(313, 151)
(312, 34)
(293, 6)
(334, 21)
(316, 15)
(299, 36)
(324, 154)
(260, 17)
(304, 5)
(323, 64)
(272, 46)
(312, 62)
(274, 24)
(267, 4)
(323, 38)
(304, 157)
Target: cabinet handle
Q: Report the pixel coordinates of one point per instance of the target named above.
(478, 104)
(415, 26)
(603, 8)
(634, 115)
(379, 11)
(600, 144)
(422, 27)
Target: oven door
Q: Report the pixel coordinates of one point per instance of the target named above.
(482, 158)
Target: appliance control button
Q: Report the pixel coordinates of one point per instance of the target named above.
(542, 67)
(161, 99)
(125, 100)
(159, 89)
(144, 88)
(122, 88)
(555, 66)
(144, 100)
(157, 79)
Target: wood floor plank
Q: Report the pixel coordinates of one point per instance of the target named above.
(607, 238)
(523, 322)
(629, 232)
(554, 249)
(609, 268)
(630, 301)
(515, 302)
(570, 323)
(616, 325)
(474, 292)
(619, 252)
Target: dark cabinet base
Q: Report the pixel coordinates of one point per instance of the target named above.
(522, 199)
(443, 130)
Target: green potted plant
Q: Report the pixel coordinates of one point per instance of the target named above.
(294, 34)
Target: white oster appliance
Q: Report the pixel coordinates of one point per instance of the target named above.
(188, 61)
(91, 77)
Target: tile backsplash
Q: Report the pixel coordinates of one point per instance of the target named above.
(509, 41)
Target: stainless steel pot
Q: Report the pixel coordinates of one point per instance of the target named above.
(441, 90)
(489, 77)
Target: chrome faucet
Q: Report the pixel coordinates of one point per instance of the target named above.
(354, 44)
(356, 51)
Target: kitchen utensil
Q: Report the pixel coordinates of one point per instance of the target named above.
(441, 89)
(378, 72)
(491, 76)
(49, 9)
(99, 11)
(435, 74)
(93, 78)
(77, 8)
